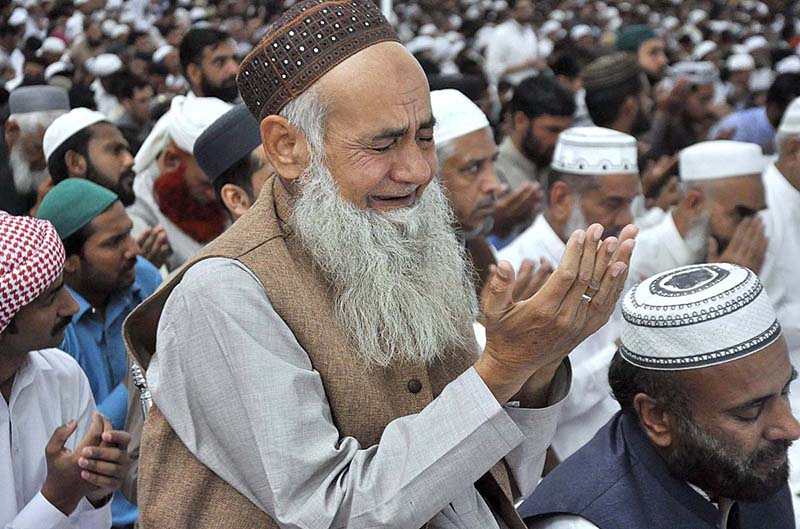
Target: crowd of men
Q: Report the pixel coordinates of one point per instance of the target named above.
(458, 264)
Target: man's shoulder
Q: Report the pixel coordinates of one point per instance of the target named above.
(205, 277)
(147, 275)
(55, 364)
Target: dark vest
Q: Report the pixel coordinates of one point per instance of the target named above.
(619, 481)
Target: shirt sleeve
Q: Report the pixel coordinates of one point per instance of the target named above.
(242, 395)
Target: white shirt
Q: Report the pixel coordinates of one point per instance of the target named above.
(107, 103)
(590, 405)
(74, 26)
(49, 390)
(226, 362)
(661, 248)
(511, 44)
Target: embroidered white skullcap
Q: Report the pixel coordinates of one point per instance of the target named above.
(697, 72)
(595, 151)
(456, 115)
(710, 160)
(104, 65)
(790, 64)
(187, 118)
(18, 17)
(696, 316)
(64, 127)
(703, 49)
(756, 42)
(790, 123)
(740, 62)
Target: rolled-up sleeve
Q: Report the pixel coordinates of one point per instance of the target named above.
(241, 393)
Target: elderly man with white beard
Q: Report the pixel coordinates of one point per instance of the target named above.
(315, 365)
(32, 109)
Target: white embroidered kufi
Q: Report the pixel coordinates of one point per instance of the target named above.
(696, 72)
(595, 151)
(696, 316)
(104, 65)
(710, 160)
(64, 127)
(741, 62)
(456, 115)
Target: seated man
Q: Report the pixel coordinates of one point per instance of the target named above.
(84, 144)
(594, 178)
(715, 219)
(702, 376)
(59, 459)
(229, 152)
(170, 188)
(108, 278)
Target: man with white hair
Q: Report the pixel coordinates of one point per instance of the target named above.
(716, 219)
(32, 110)
(331, 326)
(170, 187)
(594, 178)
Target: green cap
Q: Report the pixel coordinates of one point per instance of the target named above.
(73, 204)
(631, 37)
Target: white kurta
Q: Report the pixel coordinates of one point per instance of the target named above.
(661, 248)
(510, 44)
(49, 390)
(590, 405)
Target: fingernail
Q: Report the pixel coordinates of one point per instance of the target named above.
(502, 273)
(612, 246)
(597, 232)
(82, 462)
(87, 452)
(581, 236)
(618, 269)
(85, 475)
(106, 436)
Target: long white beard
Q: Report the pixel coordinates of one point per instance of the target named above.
(401, 280)
(25, 180)
(577, 221)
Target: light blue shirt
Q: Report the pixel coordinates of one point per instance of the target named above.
(97, 345)
(752, 126)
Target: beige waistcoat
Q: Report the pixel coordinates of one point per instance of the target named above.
(175, 490)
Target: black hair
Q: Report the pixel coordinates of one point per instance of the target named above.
(542, 95)
(134, 35)
(74, 243)
(196, 41)
(784, 89)
(57, 163)
(127, 86)
(567, 65)
(579, 184)
(239, 174)
(604, 104)
(627, 381)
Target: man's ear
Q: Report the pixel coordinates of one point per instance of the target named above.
(170, 159)
(561, 201)
(696, 199)
(658, 423)
(235, 199)
(77, 165)
(630, 107)
(194, 74)
(285, 147)
(12, 133)
(520, 121)
(72, 264)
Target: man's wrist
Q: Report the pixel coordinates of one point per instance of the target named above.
(536, 390)
(99, 499)
(65, 502)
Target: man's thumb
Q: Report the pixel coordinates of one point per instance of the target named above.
(60, 436)
(499, 292)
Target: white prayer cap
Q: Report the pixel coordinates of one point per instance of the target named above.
(595, 151)
(128, 17)
(741, 62)
(558, 15)
(120, 30)
(64, 127)
(456, 115)
(696, 316)
(162, 52)
(790, 123)
(187, 118)
(51, 45)
(790, 64)
(761, 80)
(104, 65)
(580, 31)
(696, 16)
(197, 13)
(703, 49)
(697, 72)
(756, 42)
(710, 160)
(671, 23)
(18, 17)
(55, 69)
(550, 26)
(80, 2)
(739, 49)
(107, 27)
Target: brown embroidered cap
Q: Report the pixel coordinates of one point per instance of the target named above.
(306, 42)
(611, 71)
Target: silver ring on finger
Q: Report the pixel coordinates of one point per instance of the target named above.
(587, 299)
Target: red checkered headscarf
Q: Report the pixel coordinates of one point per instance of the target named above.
(31, 258)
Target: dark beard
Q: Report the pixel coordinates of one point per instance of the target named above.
(120, 187)
(717, 467)
(642, 123)
(228, 91)
(532, 150)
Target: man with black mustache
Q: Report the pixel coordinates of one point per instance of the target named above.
(209, 64)
(107, 277)
(702, 376)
